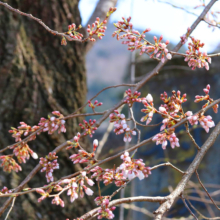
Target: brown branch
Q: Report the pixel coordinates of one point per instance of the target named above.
(126, 200)
(191, 137)
(197, 175)
(39, 21)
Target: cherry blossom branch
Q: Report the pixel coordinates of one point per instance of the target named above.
(126, 200)
(156, 70)
(191, 169)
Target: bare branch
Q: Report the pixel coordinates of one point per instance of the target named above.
(184, 201)
(168, 164)
(12, 205)
(197, 175)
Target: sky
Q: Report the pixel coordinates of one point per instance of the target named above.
(162, 18)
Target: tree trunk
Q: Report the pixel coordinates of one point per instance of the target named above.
(37, 76)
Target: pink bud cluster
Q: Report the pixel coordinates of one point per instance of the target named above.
(121, 126)
(158, 49)
(162, 138)
(205, 121)
(23, 129)
(149, 109)
(98, 28)
(49, 164)
(105, 211)
(75, 142)
(73, 31)
(9, 164)
(82, 157)
(199, 98)
(5, 190)
(136, 40)
(88, 127)
(95, 104)
(22, 152)
(195, 57)
(132, 97)
(52, 124)
(184, 38)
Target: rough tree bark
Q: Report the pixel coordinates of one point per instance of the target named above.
(37, 76)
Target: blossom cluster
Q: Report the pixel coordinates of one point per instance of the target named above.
(136, 40)
(195, 57)
(23, 129)
(9, 164)
(49, 164)
(52, 124)
(129, 169)
(148, 110)
(121, 126)
(105, 211)
(23, 152)
(162, 138)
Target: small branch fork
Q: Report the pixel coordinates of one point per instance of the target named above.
(168, 164)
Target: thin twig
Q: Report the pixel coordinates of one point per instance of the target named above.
(213, 218)
(168, 164)
(197, 175)
(12, 205)
(184, 201)
(191, 137)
